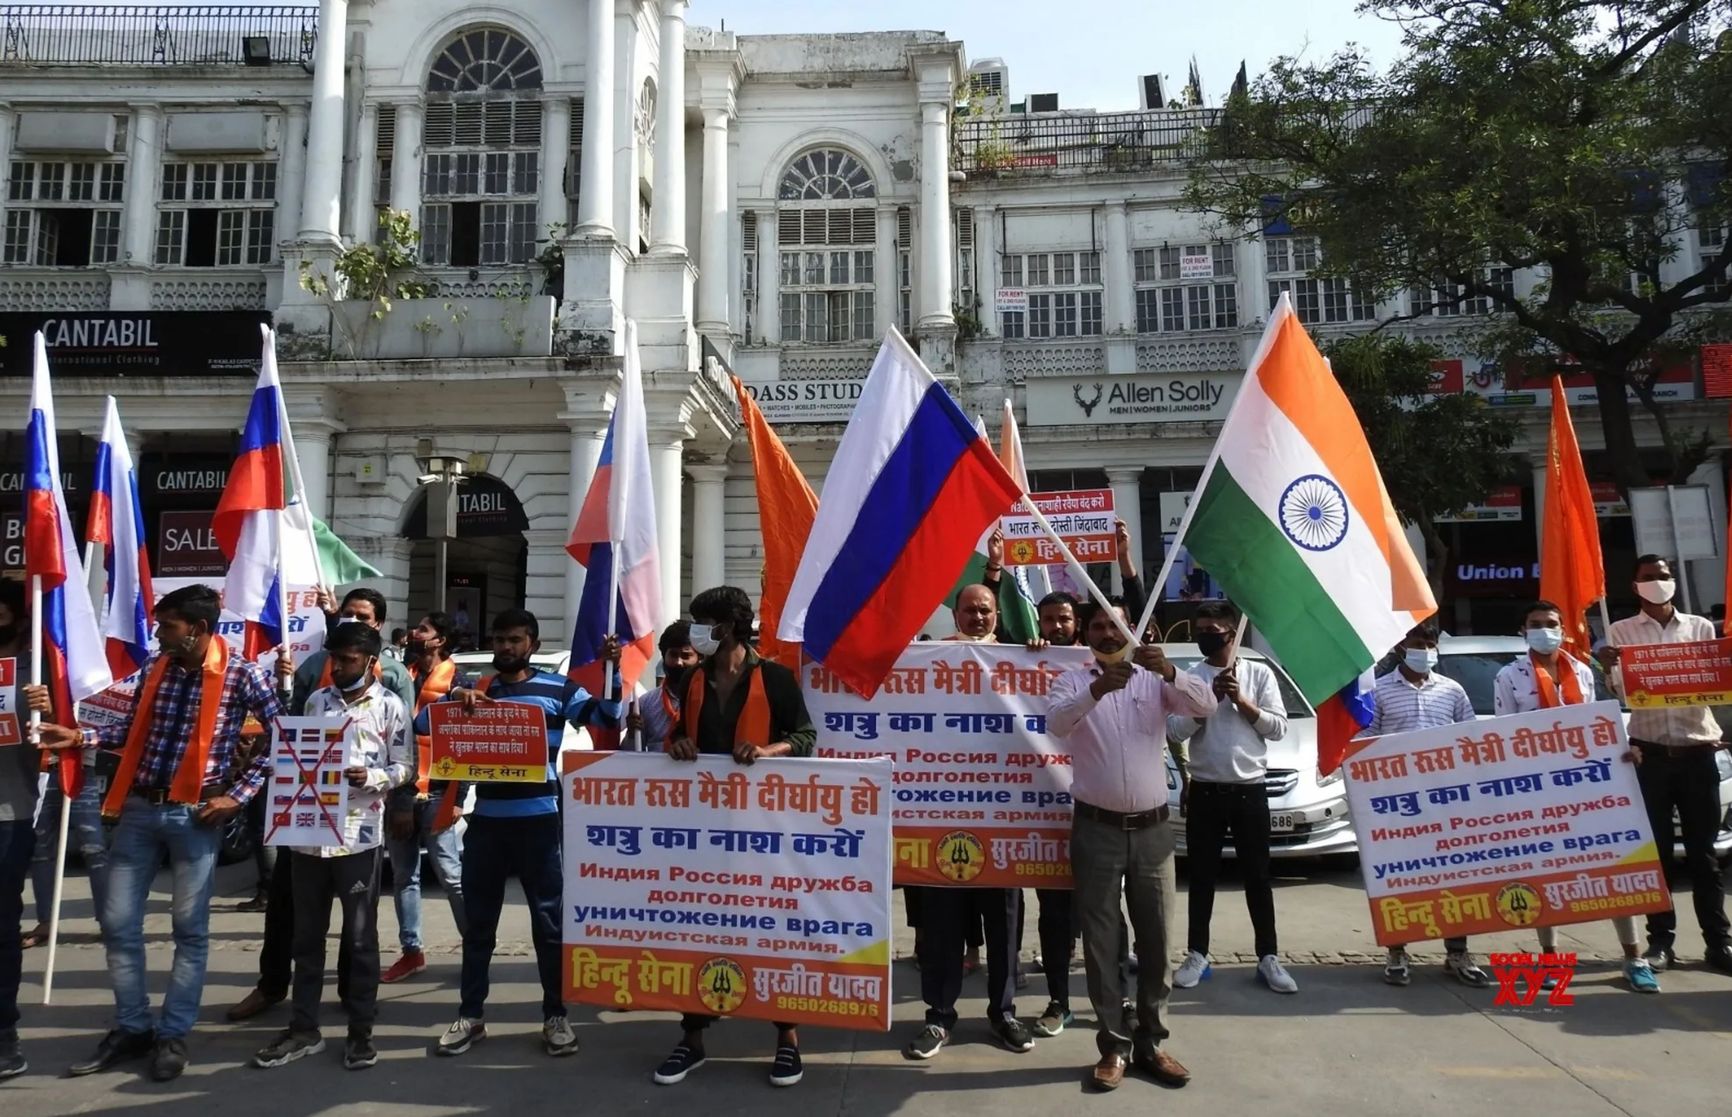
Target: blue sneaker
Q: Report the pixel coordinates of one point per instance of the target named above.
(1641, 977)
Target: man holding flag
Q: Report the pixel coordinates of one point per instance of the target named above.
(18, 771)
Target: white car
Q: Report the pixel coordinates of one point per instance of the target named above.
(1474, 661)
(1307, 813)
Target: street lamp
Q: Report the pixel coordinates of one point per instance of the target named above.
(441, 475)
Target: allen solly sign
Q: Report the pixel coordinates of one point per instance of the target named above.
(1183, 397)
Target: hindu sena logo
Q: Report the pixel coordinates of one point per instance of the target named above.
(961, 857)
(1519, 904)
(721, 985)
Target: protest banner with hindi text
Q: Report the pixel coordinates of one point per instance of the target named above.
(309, 796)
(1084, 519)
(1694, 674)
(723, 889)
(501, 742)
(11, 723)
(1528, 820)
(982, 795)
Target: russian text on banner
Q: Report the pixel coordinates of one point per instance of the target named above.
(10, 732)
(309, 796)
(1694, 674)
(1521, 821)
(715, 888)
(505, 742)
(982, 793)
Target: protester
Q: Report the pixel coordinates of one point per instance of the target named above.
(379, 759)
(736, 704)
(514, 831)
(1223, 795)
(1113, 714)
(657, 711)
(1414, 696)
(398, 648)
(1545, 679)
(172, 794)
(1056, 925)
(18, 770)
(427, 821)
(276, 956)
(1675, 748)
(948, 914)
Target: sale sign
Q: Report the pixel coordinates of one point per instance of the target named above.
(1695, 674)
(186, 546)
(1528, 820)
(309, 797)
(11, 728)
(1084, 519)
(729, 890)
(505, 742)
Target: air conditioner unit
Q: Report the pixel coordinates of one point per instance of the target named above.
(1043, 102)
(1150, 92)
(989, 81)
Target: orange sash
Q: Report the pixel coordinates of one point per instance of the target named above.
(754, 723)
(1548, 687)
(189, 776)
(431, 689)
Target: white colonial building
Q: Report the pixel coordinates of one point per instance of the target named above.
(768, 205)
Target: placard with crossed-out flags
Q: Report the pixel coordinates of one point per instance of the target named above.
(309, 798)
(11, 732)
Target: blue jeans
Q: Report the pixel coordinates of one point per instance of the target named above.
(85, 835)
(144, 833)
(447, 851)
(15, 841)
(495, 849)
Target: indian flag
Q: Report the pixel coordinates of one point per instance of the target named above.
(1292, 519)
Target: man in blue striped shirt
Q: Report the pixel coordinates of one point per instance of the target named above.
(515, 829)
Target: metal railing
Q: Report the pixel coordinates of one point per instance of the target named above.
(1042, 144)
(133, 35)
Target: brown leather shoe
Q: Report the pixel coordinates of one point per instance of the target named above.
(1109, 1072)
(1163, 1068)
(251, 1005)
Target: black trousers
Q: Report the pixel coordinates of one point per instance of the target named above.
(946, 916)
(277, 955)
(353, 882)
(1690, 782)
(1217, 811)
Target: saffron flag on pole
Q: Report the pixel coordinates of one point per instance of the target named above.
(614, 539)
(1572, 573)
(1292, 519)
(786, 508)
(1036, 581)
(910, 491)
(248, 523)
(73, 664)
(116, 521)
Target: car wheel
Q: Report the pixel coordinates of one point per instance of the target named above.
(238, 843)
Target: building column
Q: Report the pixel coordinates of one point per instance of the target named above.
(291, 171)
(987, 271)
(7, 117)
(322, 199)
(709, 531)
(1127, 485)
(888, 271)
(588, 428)
(668, 207)
(667, 450)
(713, 231)
(1121, 315)
(555, 150)
(595, 190)
(769, 280)
(406, 161)
(144, 161)
(628, 154)
(935, 294)
(359, 222)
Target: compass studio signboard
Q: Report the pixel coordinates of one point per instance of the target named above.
(136, 343)
(1101, 400)
(806, 401)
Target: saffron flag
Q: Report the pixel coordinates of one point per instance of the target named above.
(1572, 573)
(1018, 619)
(911, 490)
(73, 665)
(1293, 521)
(614, 539)
(116, 521)
(248, 523)
(786, 508)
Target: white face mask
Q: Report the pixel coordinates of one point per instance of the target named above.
(1545, 640)
(1657, 593)
(1420, 660)
(704, 640)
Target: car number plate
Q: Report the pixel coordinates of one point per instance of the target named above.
(1281, 822)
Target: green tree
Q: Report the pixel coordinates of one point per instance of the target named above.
(1437, 453)
(1582, 141)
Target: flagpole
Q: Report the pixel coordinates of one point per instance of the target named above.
(1170, 557)
(36, 622)
(1077, 569)
(607, 665)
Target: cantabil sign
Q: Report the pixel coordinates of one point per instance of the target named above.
(1094, 400)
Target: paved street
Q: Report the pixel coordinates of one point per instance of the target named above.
(1346, 1045)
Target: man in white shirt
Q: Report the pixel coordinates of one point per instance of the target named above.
(1675, 746)
(1113, 716)
(1414, 696)
(1224, 795)
(1545, 679)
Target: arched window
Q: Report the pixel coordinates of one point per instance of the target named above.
(481, 135)
(826, 231)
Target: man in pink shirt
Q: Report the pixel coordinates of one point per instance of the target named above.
(1112, 714)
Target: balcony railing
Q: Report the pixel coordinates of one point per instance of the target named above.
(1045, 144)
(133, 35)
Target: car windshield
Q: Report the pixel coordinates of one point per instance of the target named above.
(1296, 705)
(1477, 674)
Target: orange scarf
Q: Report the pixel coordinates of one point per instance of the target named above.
(754, 723)
(189, 776)
(1548, 687)
(429, 689)
(445, 817)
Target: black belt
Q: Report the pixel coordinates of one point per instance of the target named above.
(158, 797)
(1676, 752)
(1139, 820)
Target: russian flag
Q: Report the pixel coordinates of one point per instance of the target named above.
(248, 520)
(1342, 717)
(911, 490)
(614, 539)
(72, 660)
(117, 523)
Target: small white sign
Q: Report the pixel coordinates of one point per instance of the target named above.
(1011, 300)
(1197, 267)
(1674, 520)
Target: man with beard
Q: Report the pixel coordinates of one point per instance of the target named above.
(659, 710)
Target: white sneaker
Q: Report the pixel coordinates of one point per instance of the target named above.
(557, 1038)
(1275, 975)
(1196, 967)
(1395, 969)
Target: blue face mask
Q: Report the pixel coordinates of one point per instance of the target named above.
(1420, 660)
(1545, 640)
